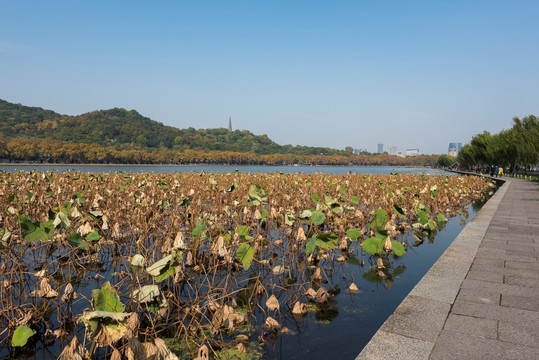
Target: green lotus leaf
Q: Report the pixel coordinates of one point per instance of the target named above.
(398, 248)
(318, 217)
(353, 233)
(21, 336)
(106, 299)
(245, 254)
(75, 240)
(372, 245)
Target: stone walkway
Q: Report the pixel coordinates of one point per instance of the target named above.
(480, 300)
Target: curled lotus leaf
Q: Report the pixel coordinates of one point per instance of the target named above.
(137, 260)
(151, 297)
(256, 195)
(272, 303)
(279, 270)
(98, 314)
(165, 267)
(107, 327)
(299, 308)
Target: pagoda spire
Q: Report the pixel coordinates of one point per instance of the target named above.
(230, 124)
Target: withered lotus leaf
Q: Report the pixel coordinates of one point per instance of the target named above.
(271, 323)
(272, 303)
(216, 243)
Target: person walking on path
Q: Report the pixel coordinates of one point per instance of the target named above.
(496, 168)
(500, 171)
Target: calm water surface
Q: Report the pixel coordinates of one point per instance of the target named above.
(223, 168)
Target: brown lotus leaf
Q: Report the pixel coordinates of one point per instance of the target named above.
(317, 275)
(242, 337)
(213, 305)
(301, 235)
(322, 295)
(203, 353)
(115, 355)
(343, 244)
(179, 241)
(380, 263)
(151, 351)
(105, 225)
(74, 351)
(387, 244)
(69, 293)
(272, 303)
(271, 323)
(218, 247)
(41, 273)
(311, 293)
(116, 231)
(353, 288)
(132, 325)
(341, 259)
(164, 351)
(189, 259)
(46, 291)
(241, 348)
(259, 289)
(60, 333)
(108, 335)
(381, 274)
(257, 215)
(287, 331)
(25, 320)
(226, 315)
(75, 212)
(299, 308)
(85, 229)
(135, 350)
(166, 248)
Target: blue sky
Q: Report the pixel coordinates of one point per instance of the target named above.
(411, 74)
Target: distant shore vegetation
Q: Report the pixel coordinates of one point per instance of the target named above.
(120, 136)
(48, 151)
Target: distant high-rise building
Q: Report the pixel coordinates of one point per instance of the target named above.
(412, 152)
(359, 151)
(393, 150)
(380, 148)
(230, 124)
(454, 149)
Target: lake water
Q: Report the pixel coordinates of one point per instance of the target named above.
(223, 168)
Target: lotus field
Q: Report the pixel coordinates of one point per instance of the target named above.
(196, 265)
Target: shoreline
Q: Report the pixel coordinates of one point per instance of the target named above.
(209, 164)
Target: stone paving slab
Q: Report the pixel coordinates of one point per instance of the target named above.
(480, 300)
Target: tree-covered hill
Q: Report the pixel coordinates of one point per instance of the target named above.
(127, 129)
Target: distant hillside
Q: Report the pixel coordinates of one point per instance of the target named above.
(127, 129)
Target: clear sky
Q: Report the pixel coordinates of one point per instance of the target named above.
(411, 74)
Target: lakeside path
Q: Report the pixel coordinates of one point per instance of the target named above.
(480, 300)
